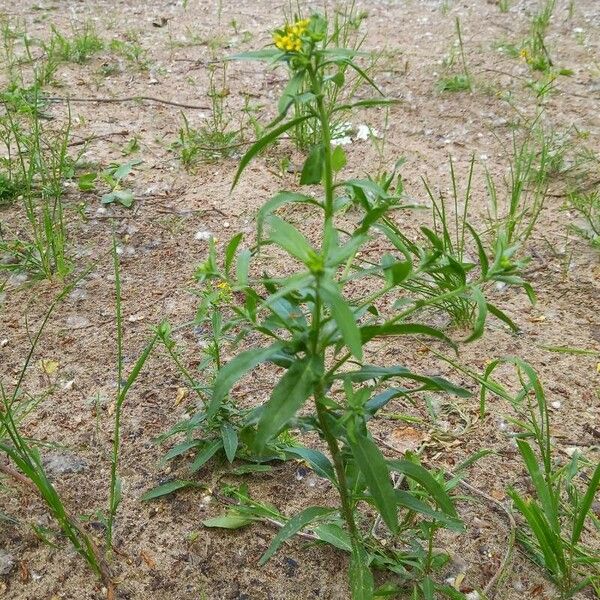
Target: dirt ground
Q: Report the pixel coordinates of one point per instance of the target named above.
(163, 551)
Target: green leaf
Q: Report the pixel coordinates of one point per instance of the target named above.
(291, 90)
(87, 182)
(263, 54)
(234, 370)
(428, 588)
(395, 271)
(422, 476)
(231, 520)
(342, 315)
(290, 239)
(363, 74)
(373, 467)
(383, 373)
(251, 468)
(372, 331)
(209, 450)
(499, 314)
(165, 489)
(483, 259)
(333, 534)
(541, 528)
(279, 200)
(229, 437)
(317, 461)
(288, 396)
(586, 505)
(540, 484)
(230, 250)
(338, 159)
(293, 526)
(365, 104)
(413, 503)
(124, 197)
(481, 315)
(312, 171)
(378, 401)
(121, 171)
(180, 449)
(242, 267)
(263, 142)
(361, 578)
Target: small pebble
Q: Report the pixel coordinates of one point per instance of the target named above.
(556, 404)
(7, 562)
(203, 235)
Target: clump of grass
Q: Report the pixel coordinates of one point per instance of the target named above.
(216, 140)
(24, 453)
(78, 49)
(38, 164)
(132, 51)
(458, 82)
(533, 159)
(10, 188)
(555, 513)
(587, 206)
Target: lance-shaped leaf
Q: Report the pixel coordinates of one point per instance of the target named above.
(262, 54)
(312, 170)
(372, 331)
(342, 315)
(292, 527)
(263, 142)
(317, 461)
(288, 396)
(166, 488)
(413, 503)
(229, 438)
(234, 370)
(422, 476)
(374, 469)
(279, 200)
(382, 373)
(361, 578)
(585, 505)
(290, 239)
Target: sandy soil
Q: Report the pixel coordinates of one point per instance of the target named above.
(163, 550)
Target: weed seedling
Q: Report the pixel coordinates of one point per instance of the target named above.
(555, 515)
(216, 140)
(79, 49)
(458, 82)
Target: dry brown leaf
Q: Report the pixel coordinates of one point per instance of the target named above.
(48, 366)
(182, 394)
(147, 558)
(24, 572)
(458, 581)
(538, 319)
(498, 494)
(406, 438)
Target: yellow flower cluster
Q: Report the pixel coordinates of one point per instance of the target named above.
(525, 55)
(290, 40)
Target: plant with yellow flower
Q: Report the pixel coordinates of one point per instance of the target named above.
(309, 332)
(289, 39)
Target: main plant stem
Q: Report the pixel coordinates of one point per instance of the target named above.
(322, 413)
(326, 136)
(338, 464)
